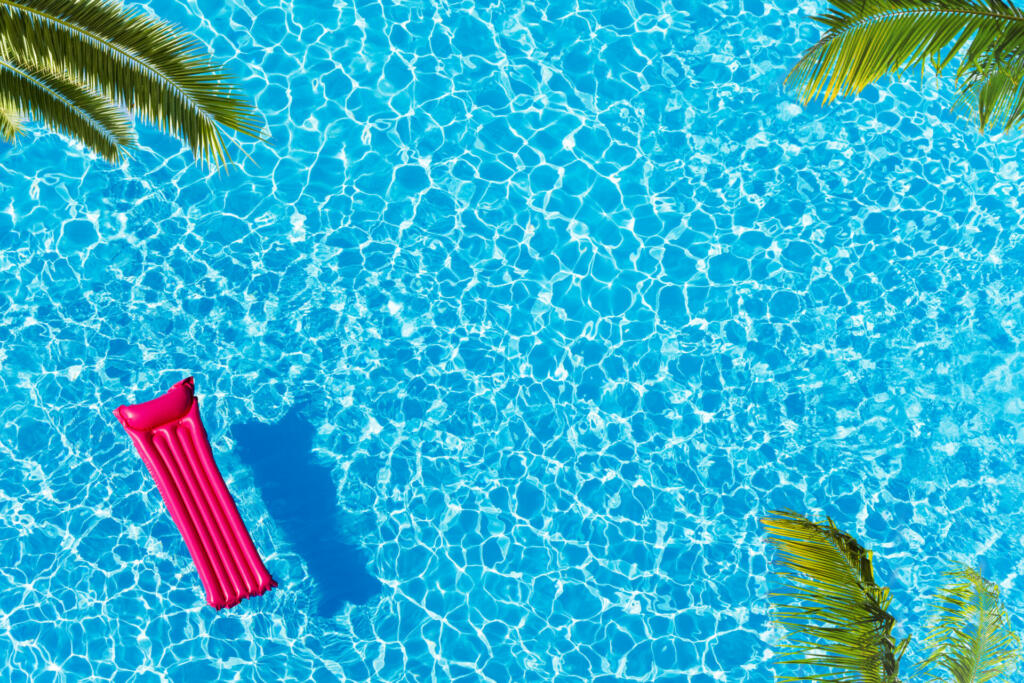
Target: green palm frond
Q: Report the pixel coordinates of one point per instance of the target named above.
(993, 87)
(970, 639)
(11, 126)
(140, 64)
(834, 615)
(68, 107)
(868, 39)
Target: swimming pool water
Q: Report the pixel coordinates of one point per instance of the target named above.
(504, 341)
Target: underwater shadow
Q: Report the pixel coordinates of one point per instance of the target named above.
(301, 497)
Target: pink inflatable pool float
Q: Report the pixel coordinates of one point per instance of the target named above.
(172, 441)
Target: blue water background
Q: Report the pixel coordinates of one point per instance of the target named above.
(558, 298)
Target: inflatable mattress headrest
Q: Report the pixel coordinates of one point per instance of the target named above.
(167, 408)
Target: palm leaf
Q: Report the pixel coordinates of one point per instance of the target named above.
(994, 87)
(147, 66)
(868, 39)
(68, 107)
(970, 639)
(11, 126)
(834, 615)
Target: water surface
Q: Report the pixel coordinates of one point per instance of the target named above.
(549, 301)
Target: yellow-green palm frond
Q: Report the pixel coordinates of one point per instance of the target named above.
(67, 107)
(994, 88)
(11, 121)
(834, 615)
(868, 39)
(970, 640)
(150, 68)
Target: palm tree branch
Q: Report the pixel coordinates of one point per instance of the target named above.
(11, 126)
(994, 87)
(95, 106)
(833, 613)
(970, 637)
(156, 71)
(867, 40)
(67, 106)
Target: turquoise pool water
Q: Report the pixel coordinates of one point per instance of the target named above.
(526, 313)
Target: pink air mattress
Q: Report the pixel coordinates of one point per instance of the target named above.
(170, 437)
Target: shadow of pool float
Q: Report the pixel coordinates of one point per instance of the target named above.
(300, 495)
